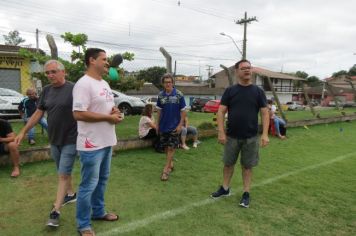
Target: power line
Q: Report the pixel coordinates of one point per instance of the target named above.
(110, 24)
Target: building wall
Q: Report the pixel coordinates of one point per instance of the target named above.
(16, 62)
(283, 97)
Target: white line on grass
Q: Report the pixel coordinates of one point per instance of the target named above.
(172, 213)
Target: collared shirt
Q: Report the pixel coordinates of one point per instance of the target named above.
(170, 106)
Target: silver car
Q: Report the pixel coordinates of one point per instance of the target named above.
(9, 102)
(294, 106)
(127, 104)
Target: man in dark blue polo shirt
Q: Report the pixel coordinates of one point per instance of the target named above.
(170, 118)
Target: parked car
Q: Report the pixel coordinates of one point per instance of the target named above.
(212, 106)
(295, 106)
(9, 102)
(198, 104)
(127, 104)
(151, 100)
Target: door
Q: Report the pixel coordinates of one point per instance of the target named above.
(11, 79)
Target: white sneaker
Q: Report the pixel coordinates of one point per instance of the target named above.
(185, 147)
(195, 144)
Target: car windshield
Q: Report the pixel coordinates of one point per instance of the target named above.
(9, 92)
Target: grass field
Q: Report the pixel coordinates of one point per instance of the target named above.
(304, 185)
(129, 127)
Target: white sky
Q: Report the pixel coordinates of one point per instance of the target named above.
(315, 36)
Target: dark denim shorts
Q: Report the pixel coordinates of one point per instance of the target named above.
(170, 139)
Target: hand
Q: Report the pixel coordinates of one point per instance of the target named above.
(221, 137)
(115, 110)
(115, 118)
(264, 140)
(157, 129)
(19, 138)
(178, 129)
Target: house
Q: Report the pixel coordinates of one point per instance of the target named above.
(15, 71)
(190, 91)
(339, 88)
(285, 85)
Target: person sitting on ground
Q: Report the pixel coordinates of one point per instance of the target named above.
(147, 126)
(7, 145)
(191, 130)
(278, 121)
(27, 107)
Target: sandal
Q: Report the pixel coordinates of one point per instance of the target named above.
(108, 217)
(164, 176)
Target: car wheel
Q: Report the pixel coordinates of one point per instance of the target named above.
(125, 108)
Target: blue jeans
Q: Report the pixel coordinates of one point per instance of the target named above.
(277, 122)
(189, 130)
(95, 170)
(31, 132)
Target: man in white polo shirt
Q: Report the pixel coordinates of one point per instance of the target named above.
(95, 111)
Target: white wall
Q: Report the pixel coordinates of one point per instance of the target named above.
(283, 97)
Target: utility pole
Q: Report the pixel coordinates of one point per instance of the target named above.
(209, 69)
(37, 41)
(245, 21)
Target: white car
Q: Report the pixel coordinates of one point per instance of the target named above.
(151, 100)
(294, 106)
(127, 104)
(9, 102)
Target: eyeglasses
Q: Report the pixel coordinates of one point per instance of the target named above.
(245, 68)
(51, 72)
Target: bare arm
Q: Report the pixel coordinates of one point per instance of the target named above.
(9, 138)
(182, 118)
(158, 120)
(29, 124)
(186, 121)
(221, 120)
(152, 124)
(114, 117)
(265, 125)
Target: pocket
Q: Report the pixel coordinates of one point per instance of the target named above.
(88, 158)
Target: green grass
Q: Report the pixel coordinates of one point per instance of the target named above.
(129, 127)
(291, 194)
(325, 112)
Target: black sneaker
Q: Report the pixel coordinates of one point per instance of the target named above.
(53, 220)
(69, 199)
(245, 200)
(221, 193)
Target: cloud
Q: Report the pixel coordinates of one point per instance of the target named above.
(315, 36)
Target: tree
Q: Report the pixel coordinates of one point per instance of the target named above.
(152, 75)
(352, 71)
(13, 38)
(313, 81)
(76, 67)
(339, 73)
(301, 74)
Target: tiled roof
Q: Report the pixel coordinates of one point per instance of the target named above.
(12, 49)
(262, 72)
